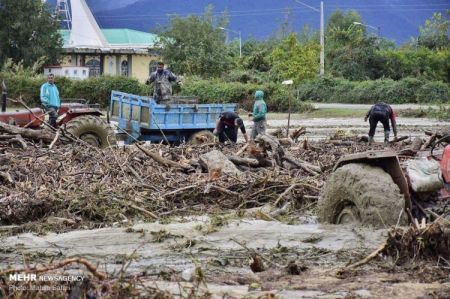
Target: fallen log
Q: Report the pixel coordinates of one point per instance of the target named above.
(244, 161)
(429, 141)
(416, 144)
(302, 164)
(37, 135)
(163, 161)
(217, 161)
(267, 142)
(398, 139)
(297, 133)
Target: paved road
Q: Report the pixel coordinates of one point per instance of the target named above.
(367, 106)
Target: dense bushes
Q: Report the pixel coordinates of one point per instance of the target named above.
(95, 89)
(408, 90)
(276, 95)
(326, 89)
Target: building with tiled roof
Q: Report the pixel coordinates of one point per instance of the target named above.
(92, 51)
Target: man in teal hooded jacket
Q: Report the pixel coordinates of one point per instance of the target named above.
(50, 99)
(259, 115)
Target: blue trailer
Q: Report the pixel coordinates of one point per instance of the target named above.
(143, 119)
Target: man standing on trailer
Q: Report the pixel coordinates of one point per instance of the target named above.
(162, 83)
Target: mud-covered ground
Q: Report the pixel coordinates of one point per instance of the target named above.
(169, 256)
(259, 252)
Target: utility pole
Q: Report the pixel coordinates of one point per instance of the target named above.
(322, 41)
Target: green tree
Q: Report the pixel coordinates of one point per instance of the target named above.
(294, 60)
(435, 32)
(195, 45)
(349, 51)
(28, 31)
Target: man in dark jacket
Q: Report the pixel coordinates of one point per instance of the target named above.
(381, 112)
(227, 127)
(162, 80)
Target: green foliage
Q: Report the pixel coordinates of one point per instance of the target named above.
(216, 91)
(435, 32)
(195, 45)
(350, 52)
(256, 54)
(408, 90)
(95, 89)
(28, 31)
(420, 62)
(292, 60)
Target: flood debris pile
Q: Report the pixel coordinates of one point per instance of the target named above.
(74, 185)
(424, 242)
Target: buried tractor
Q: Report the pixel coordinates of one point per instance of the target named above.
(80, 120)
(381, 188)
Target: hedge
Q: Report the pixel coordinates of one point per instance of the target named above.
(95, 89)
(408, 90)
(325, 89)
(214, 91)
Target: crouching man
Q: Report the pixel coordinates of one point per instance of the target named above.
(227, 127)
(381, 112)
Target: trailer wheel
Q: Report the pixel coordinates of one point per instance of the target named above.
(93, 130)
(364, 194)
(201, 137)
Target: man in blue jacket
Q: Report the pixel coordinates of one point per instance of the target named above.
(259, 115)
(50, 99)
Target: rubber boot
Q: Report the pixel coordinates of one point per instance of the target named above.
(386, 137)
(370, 140)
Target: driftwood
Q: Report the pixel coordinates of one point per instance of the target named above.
(267, 142)
(429, 141)
(398, 139)
(163, 161)
(37, 135)
(297, 133)
(244, 161)
(14, 139)
(306, 166)
(217, 161)
(416, 144)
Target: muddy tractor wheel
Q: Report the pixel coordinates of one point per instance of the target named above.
(93, 130)
(364, 194)
(201, 137)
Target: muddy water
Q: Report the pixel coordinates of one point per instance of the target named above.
(178, 247)
(158, 247)
(154, 243)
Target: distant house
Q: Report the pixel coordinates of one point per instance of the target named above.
(121, 51)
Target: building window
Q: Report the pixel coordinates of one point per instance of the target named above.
(124, 68)
(66, 72)
(152, 66)
(84, 72)
(75, 72)
(94, 67)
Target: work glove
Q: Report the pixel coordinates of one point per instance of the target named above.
(365, 118)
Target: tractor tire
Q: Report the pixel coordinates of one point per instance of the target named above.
(201, 137)
(361, 194)
(93, 130)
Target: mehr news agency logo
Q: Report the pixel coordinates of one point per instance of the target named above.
(32, 277)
